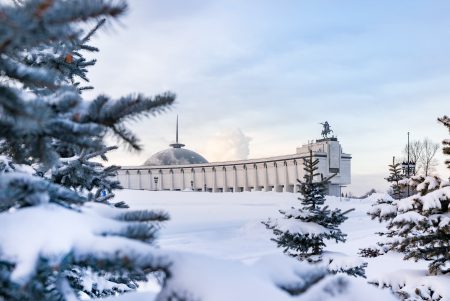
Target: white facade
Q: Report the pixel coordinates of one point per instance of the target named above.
(278, 174)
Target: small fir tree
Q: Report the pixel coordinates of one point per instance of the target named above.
(395, 178)
(384, 209)
(445, 120)
(302, 231)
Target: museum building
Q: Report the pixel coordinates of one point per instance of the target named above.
(179, 169)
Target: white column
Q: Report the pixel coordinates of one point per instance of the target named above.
(257, 188)
(224, 184)
(276, 185)
(154, 173)
(128, 179)
(246, 188)
(266, 178)
(193, 186)
(296, 175)
(182, 180)
(139, 179)
(204, 188)
(286, 177)
(160, 180)
(235, 186)
(214, 189)
(151, 178)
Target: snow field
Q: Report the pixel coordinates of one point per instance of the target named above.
(227, 227)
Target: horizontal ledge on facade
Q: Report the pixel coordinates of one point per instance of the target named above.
(226, 163)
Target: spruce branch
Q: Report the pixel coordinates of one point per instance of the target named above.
(114, 114)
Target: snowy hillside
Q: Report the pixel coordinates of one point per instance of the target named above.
(227, 226)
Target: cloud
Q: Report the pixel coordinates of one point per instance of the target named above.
(227, 145)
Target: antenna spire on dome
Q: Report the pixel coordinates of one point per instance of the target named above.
(176, 144)
(177, 131)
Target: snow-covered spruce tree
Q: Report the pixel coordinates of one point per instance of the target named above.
(51, 233)
(421, 229)
(446, 143)
(384, 209)
(419, 225)
(395, 178)
(302, 231)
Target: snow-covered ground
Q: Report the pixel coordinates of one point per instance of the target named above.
(227, 226)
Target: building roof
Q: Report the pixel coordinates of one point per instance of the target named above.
(177, 155)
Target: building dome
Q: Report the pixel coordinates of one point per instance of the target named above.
(177, 155)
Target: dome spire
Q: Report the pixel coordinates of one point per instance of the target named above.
(176, 144)
(177, 131)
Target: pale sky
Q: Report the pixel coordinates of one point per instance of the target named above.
(263, 74)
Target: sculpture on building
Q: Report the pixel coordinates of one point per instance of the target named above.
(326, 129)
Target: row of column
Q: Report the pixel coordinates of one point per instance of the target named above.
(156, 178)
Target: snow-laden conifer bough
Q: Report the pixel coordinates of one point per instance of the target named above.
(54, 199)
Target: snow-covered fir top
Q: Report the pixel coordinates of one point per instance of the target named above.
(430, 201)
(295, 226)
(430, 183)
(408, 217)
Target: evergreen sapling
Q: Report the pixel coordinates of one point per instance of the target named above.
(385, 209)
(395, 178)
(302, 232)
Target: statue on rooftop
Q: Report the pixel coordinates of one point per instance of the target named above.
(326, 129)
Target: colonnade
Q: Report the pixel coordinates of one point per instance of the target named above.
(280, 176)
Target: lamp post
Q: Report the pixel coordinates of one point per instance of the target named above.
(408, 167)
(155, 179)
(340, 191)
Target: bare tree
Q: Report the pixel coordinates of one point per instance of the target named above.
(415, 154)
(423, 153)
(428, 160)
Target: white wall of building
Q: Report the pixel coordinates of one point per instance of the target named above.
(278, 174)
